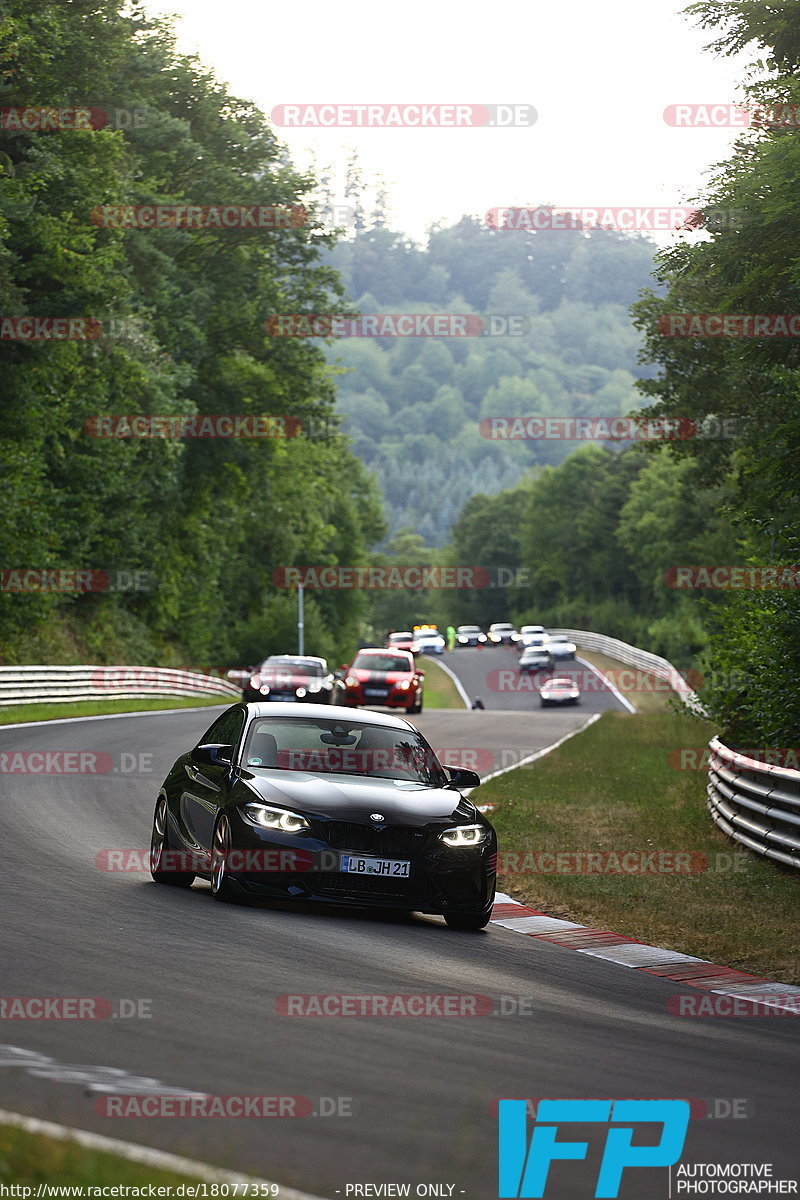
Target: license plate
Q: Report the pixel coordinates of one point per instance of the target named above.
(375, 692)
(392, 868)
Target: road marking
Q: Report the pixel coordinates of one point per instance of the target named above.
(157, 1159)
(608, 683)
(638, 956)
(533, 757)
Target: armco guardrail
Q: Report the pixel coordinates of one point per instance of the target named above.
(49, 685)
(755, 803)
(632, 656)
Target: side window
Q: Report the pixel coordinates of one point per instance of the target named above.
(227, 729)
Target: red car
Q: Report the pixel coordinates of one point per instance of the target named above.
(402, 641)
(382, 677)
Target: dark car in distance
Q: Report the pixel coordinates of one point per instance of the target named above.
(470, 635)
(535, 658)
(291, 801)
(290, 677)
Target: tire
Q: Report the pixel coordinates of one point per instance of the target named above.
(222, 888)
(469, 921)
(159, 845)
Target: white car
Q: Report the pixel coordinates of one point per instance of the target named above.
(429, 641)
(559, 690)
(561, 647)
(533, 635)
(503, 633)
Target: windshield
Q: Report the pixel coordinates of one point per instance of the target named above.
(334, 747)
(292, 666)
(381, 662)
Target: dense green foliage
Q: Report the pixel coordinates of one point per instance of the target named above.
(598, 535)
(413, 405)
(753, 268)
(209, 520)
(588, 545)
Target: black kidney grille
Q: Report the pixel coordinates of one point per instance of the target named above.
(387, 842)
(349, 835)
(399, 839)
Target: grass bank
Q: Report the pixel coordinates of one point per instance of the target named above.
(94, 708)
(440, 691)
(626, 785)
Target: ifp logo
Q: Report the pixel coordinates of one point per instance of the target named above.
(524, 1169)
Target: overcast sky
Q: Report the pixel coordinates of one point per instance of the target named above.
(598, 74)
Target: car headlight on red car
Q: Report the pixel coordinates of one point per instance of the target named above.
(351, 681)
(403, 684)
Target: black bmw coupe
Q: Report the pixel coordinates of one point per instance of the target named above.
(291, 801)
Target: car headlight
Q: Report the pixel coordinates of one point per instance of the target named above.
(315, 687)
(463, 639)
(403, 684)
(275, 818)
(301, 691)
(482, 637)
(264, 689)
(464, 835)
(351, 681)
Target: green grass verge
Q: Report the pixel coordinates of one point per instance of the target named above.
(31, 1158)
(617, 787)
(440, 691)
(95, 708)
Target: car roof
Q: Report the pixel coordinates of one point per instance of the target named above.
(289, 708)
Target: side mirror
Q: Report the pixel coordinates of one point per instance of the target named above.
(214, 754)
(460, 777)
(421, 674)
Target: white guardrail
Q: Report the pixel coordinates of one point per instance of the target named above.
(757, 804)
(632, 656)
(51, 685)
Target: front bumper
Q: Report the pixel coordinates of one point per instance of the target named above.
(442, 880)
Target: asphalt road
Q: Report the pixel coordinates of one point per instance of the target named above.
(493, 674)
(419, 1090)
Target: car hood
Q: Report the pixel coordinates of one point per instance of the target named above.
(349, 798)
(365, 676)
